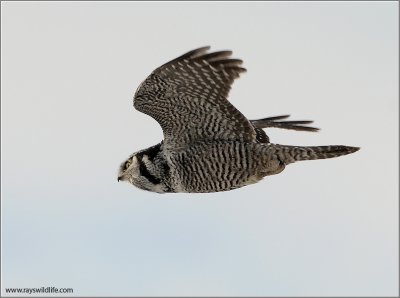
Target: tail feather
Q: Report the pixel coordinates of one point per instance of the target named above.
(290, 154)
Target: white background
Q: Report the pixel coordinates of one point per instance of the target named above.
(68, 74)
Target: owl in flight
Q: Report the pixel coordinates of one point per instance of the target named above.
(208, 144)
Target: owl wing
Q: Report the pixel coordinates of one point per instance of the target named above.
(276, 121)
(188, 98)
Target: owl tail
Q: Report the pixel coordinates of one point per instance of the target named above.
(290, 154)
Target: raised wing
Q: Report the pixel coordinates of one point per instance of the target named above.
(188, 98)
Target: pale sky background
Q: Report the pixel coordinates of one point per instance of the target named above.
(68, 74)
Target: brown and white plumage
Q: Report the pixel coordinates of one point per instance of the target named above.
(188, 97)
(208, 144)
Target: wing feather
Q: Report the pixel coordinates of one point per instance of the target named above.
(188, 97)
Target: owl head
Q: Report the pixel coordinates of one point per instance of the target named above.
(146, 169)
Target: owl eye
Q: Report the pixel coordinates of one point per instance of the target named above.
(128, 163)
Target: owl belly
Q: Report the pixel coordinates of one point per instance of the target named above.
(213, 167)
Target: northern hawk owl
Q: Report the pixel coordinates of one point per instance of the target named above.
(208, 144)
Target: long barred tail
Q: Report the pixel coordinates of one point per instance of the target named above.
(290, 154)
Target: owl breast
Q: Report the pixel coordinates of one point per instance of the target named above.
(215, 166)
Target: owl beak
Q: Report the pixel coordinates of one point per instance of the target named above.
(119, 179)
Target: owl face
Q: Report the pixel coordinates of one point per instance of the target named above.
(143, 171)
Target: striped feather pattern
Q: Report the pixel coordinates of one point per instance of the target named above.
(187, 96)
